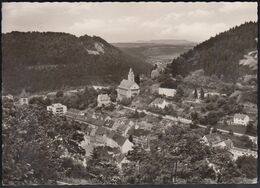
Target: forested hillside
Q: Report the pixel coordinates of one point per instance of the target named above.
(45, 61)
(219, 55)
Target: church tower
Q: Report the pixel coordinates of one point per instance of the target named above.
(131, 76)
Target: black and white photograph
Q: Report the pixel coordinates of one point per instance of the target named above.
(129, 93)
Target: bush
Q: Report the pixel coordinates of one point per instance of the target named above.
(125, 101)
(248, 166)
(230, 132)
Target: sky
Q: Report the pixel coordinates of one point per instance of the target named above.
(131, 21)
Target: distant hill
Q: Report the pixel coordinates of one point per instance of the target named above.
(48, 60)
(156, 50)
(220, 55)
(169, 41)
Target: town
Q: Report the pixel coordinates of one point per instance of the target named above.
(138, 109)
(133, 93)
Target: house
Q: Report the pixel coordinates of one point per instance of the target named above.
(116, 140)
(214, 140)
(159, 103)
(124, 128)
(241, 119)
(225, 144)
(57, 108)
(237, 152)
(23, 98)
(211, 94)
(167, 92)
(100, 87)
(103, 99)
(144, 125)
(109, 123)
(100, 136)
(211, 139)
(128, 88)
(140, 137)
(122, 125)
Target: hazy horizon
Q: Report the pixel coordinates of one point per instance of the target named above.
(131, 21)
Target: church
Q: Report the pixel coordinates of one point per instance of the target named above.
(128, 88)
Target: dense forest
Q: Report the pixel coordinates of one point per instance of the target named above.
(219, 55)
(45, 61)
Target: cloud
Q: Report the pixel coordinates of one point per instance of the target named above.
(229, 7)
(199, 30)
(129, 21)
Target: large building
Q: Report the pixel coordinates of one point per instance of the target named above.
(128, 88)
(57, 108)
(241, 119)
(160, 103)
(24, 98)
(167, 92)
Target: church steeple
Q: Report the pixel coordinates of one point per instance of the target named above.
(131, 76)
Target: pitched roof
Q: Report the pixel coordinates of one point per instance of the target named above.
(145, 125)
(138, 132)
(158, 101)
(229, 143)
(213, 138)
(23, 94)
(240, 116)
(122, 128)
(110, 134)
(120, 140)
(101, 131)
(109, 123)
(126, 84)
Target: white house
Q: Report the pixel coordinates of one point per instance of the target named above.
(167, 92)
(241, 119)
(209, 94)
(237, 152)
(103, 99)
(128, 88)
(100, 87)
(57, 108)
(160, 103)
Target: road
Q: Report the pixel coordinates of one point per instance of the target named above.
(168, 117)
(80, 121)
(176, 119)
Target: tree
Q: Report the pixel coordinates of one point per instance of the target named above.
(250, 129)
(194, 116)
(202, 93)
(247, 165)
(137, 79)
(180, 91)
(195, 95)
(101, 169)
(230, 132)
(212, 117)
(59, 94)
(33, 142)
(214, 130)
